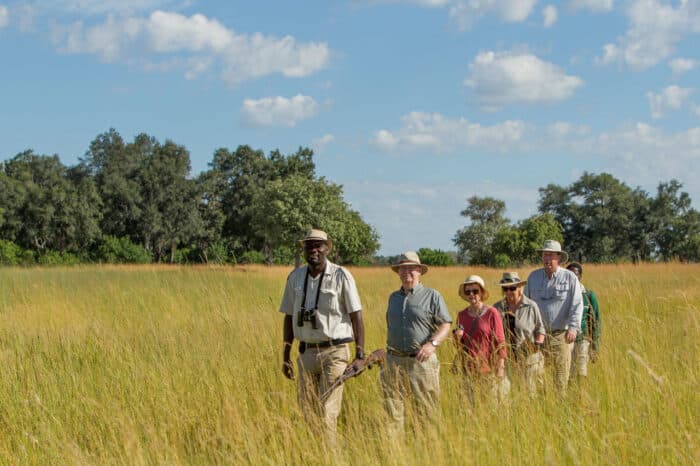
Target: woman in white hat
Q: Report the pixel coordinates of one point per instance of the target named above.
(524, 330)
(481, 340)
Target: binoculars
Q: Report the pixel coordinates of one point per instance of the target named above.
(307, 316)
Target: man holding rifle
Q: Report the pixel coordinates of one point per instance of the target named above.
(322, 310)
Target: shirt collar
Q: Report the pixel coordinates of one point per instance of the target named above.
(418, 287)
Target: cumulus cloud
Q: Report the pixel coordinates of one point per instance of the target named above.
(465, 13)
(4, 16)
(655, 29)
(439, 134)
(195, 44)
(593, 5)
(549, 15)
(278, 111)
(682, 65)
(671, 98)
(498, 79)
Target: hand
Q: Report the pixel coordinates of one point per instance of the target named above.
(593, 355)
(288, 370)
(425, 352)
(355, 366)
(570, 336)
(458, 334)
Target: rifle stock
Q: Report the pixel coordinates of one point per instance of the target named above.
(375, 357)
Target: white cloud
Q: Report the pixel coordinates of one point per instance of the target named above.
(436, 133)
(671, 98)
(593, 5)
(4, 16)
(466, 13)
(682, 65)
(278, 111)
(498, 79)
(549, 14)
(655, 29)
(195, 44)
(319, 143)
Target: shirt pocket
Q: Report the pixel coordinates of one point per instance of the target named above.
(328, 300)
(561, 292)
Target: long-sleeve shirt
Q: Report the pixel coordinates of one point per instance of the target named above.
(413, 316)
(483, 340)
(590, 322)
(559, 298)
(522, 326)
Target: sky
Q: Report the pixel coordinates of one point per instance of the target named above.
(413, 106)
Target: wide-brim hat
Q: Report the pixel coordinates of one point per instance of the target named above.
(510, 279)
(316, 235)
(551, 245)
(471, 279)
(409, 258)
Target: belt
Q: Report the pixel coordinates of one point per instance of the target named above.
(401, 354)
(328, 343)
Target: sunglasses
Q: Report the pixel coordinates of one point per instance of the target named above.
(472, 291)
(510, 288)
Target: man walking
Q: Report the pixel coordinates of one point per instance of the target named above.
(417, 322)
(557, 292)
(322, 310)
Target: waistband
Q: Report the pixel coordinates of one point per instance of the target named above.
(401, 354)
(327, 343)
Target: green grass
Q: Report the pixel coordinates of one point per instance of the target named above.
(168, 365)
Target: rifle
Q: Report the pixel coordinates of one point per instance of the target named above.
(375, 357)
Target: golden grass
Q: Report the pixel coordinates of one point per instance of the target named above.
(180, 365)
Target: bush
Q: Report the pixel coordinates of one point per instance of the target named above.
(11, 254)
(58, 258)
(502, 261)
(115, 250)
(435, 257)
(252, 257)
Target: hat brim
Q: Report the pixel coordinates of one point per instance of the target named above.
(423, 267)
(328, 242)
(564, 255)
(484, 292)
(504, 284)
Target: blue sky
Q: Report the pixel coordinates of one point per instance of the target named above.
(413, 106)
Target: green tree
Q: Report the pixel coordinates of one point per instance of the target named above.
(435, 257)
(674, 224)
(486, 220)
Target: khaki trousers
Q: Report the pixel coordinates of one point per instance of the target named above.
(559, 352)
(318, 369)
(404, 378)
(580, 357)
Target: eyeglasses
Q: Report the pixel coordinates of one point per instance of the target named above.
(471, 291)
(510, 288)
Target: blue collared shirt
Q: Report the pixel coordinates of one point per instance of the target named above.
(412, 317)
(559, 298)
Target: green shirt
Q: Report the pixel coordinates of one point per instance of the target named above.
(590, 320)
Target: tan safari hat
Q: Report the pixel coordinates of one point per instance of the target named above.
(409, 258)
(551, 245)
(316, 235)
(510, 279)
(471, 279)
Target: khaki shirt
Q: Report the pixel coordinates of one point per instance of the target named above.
(528, 322)
(338, 299)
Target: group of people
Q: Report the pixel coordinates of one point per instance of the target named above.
(549, 316)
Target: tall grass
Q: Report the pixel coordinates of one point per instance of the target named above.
(168, 365)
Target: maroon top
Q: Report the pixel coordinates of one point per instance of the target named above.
(486, 343)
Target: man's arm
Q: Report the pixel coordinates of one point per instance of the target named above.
(428, 348)
(574, 322)
(288, 338)
(358, 331)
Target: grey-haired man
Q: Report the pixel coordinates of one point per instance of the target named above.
(322, 310)
(557, 292)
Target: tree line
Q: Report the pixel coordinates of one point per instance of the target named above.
(136, 202)
(597, 218)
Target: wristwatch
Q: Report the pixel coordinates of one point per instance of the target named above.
(434, 343)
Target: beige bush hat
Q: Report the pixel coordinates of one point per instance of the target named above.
(479, 281)
(409, 258)
(510, 279)
(551, 245)
(316, 235)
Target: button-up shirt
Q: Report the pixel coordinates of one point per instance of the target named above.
(338, 299)
(413, 316)
(559, 298)
(528, 322)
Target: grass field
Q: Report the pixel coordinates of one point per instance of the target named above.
(168, 365)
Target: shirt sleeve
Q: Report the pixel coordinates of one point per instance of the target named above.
(596, 330)
(442, 314)
(287, 305)
(351, 297)
(499, 334)
(574, 322)
(539, 323)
